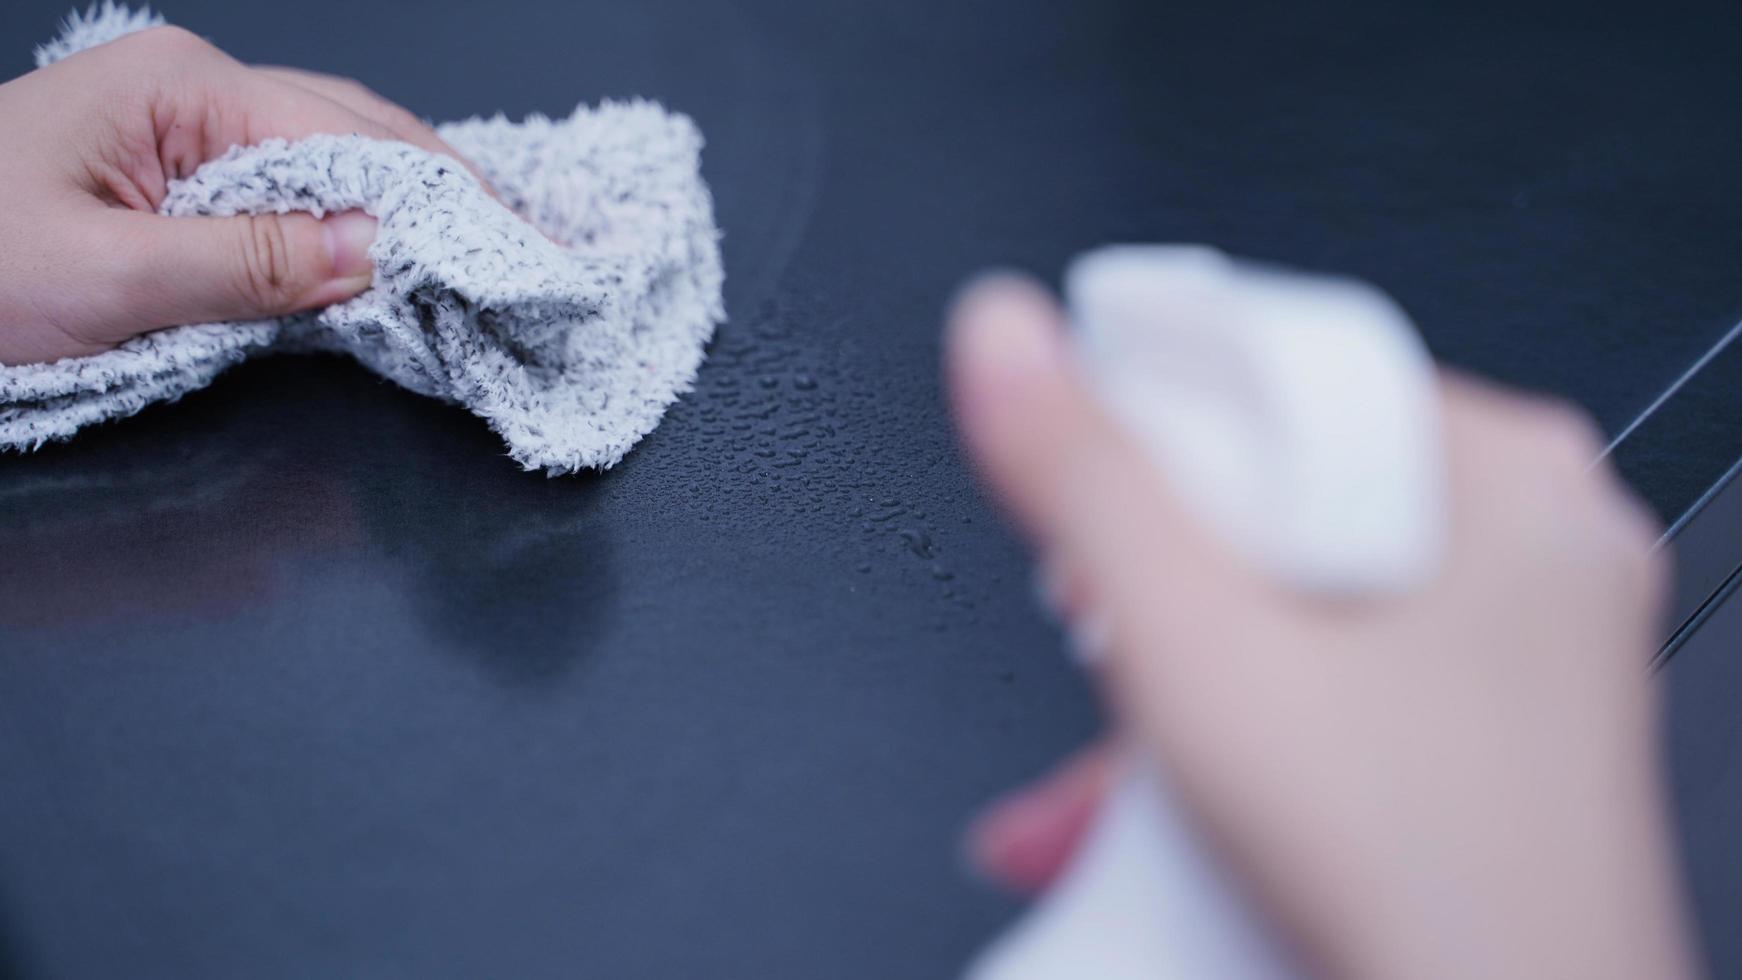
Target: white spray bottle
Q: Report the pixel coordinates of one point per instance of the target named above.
(1297, 416)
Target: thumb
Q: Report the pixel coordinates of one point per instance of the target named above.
(1176, 622)
(1065, 469)
(249, 267)
(1153, 597)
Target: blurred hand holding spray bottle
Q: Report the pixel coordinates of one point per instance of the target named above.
(1297, 416)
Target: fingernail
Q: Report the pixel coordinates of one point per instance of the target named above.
(1008, 322)
(986, 281)
(992, 845)
(1015, 841)
(349, 236)
(1010, 818)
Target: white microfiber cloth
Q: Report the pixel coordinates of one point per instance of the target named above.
(570, 346)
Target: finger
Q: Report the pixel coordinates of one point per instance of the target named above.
(201, 270)
(1025, 840)
(363, 101)
(1066, 471)
(206, 104)
(255, 108)
(1005, 362)
(1492, 429)
(216, 103)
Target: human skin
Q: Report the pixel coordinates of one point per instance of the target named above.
(1461, 782)
(92, 143)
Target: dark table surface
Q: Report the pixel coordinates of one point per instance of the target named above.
(301, 677)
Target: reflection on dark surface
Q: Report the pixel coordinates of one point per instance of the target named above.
(509, 567)
(115, 528)
(122, 523)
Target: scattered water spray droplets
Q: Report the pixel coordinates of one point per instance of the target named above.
(785, 437)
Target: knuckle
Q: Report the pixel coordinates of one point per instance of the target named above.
(358, 90)
(400, 119)
(167, 40)
(406, 122)
(1639, 572)
(1627, 537)
(1566, 433)
(1656, 572)
(1640, 534)
(392, 114)
(266, 278)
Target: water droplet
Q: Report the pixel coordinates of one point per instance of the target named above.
(918, 542)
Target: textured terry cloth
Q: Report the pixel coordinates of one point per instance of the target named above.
(571, 351)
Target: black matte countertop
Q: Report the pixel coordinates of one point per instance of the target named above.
(301, 676)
